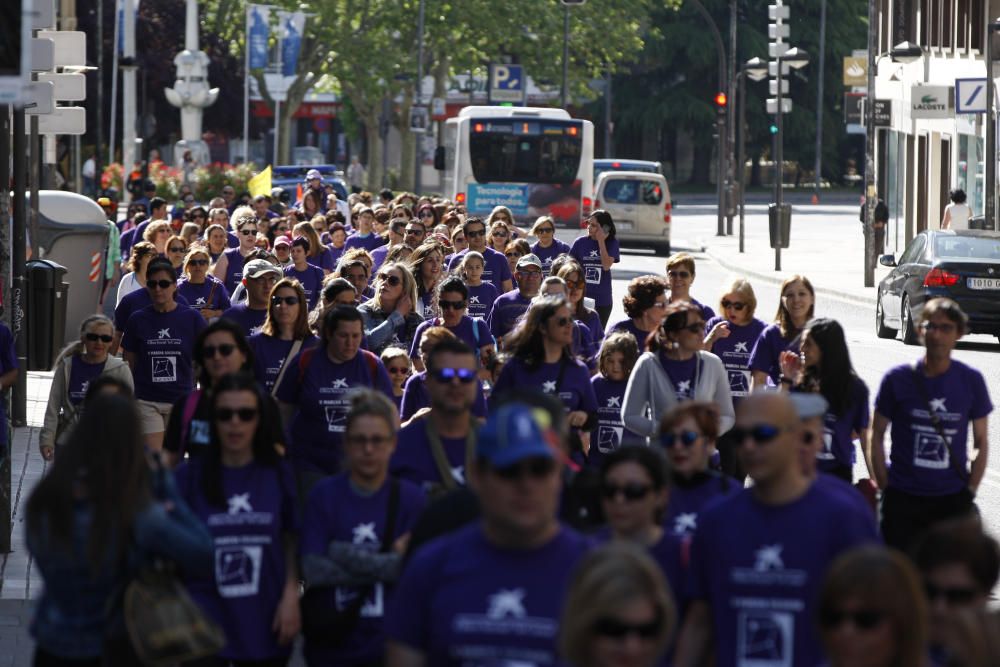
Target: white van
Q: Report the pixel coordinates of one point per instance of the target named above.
(639, 203)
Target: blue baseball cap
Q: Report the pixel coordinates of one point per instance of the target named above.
(510, 435)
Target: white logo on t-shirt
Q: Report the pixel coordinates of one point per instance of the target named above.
(684, 387)
(474, 299)
(340, 383)
(769, 558)
(239, 502)
(164, 369)
(549, 387)
(937, 405)
(740, 347)
(685, 524)
(364, 532)
(506, 603)
(200, 301)
(164, 333)
(594, 253)
(608, 438)
(458, 474)
(614, 401)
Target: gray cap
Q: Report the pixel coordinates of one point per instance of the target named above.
(256, 268)
(530, 259)
(808, 405)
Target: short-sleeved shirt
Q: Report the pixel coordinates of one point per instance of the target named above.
(249, 319)
(163, 345)
(496, 269)
(838, 443)
(690, 496)
(208, 295)
(735, 350)
(609, 433)
(369, 242)
(234, 268)
(546, 255)
(137, 300)
(81, 374)
(922, 463)
(766, 353)
(311, 279)
(472, 331)
(413, 459)
(587, 252)
(481, 298)
(507, 311)
(574, 388)
(270, 354)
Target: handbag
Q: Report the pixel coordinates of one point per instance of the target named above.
(322, 623)
(164, 624)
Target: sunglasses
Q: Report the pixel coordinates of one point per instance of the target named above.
(451, 305)
(284, 300)
(463, 375)
(177, 249)
(243, 414)
(208, 352)
(248, 232)
(391, 280)
(162, 284)
(695, 328)
(953, 596)
(500, 233)
(397, 370)
(427, 214)
(761, 433)
(163, 231)
(472, 235)
(686, 438)
(459, 239)
(93, 338)
(537, 468)
(735, 305)
(630, 492)
(865, 619)
(545, 230)
(514, 254)
(562, 321)
(684, 275)
(416, 232)
(576, 284)
(198, 262)
(612, 628)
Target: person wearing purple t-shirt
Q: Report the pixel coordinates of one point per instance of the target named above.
(315, 393)
(310, 277)
(482, 294)
(547, 247)
(510, 307)
(364, 236)
(759, 557)
(260, 277)
(245, 495)
(614, 362)
(416, 397)
(453, 302)
(229, 267)
(203, 291)
(395, 233)
(284, 334)
(495, 269)
(158, 343)
(572, 273)
(645, 305)
(130, 304)
(798, 301)
(492, 592)
(597, 252)
(680, 275)
(930, 405)
(354, 530)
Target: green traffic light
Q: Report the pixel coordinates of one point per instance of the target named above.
(774, 129)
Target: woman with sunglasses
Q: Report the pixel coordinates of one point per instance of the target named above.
(203, 291)
(427, 216)
(245, 493)
(390, 318)
(498, 236)
(547, 247)
(872, 611)
(176, 249)
(278, 227)
(570, 271)
(157, 233)
(284, 334)
(220, 349)
(797, 306)
(514, 251)
(229, 267)
(309, 276)
(500, 214)
(198, 216)
(618, 610)
(74, 369)
(675, 369)
(453, 302)
(398, 366)
(645, 305)
(427, 264)
(680, 276)
(688, 434)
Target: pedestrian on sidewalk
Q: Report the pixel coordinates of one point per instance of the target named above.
(880, 221)
(957, 213)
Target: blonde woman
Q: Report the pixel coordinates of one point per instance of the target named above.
(547, 247)
(229, 267)
(389, 316)
(157, 233)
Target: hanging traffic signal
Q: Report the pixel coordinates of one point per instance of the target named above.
(721, 100)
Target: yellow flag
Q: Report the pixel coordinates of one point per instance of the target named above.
(261, 183)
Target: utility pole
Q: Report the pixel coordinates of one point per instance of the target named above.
(418, 99)
(731, 178)
(128, 90)
(818, 166)
(870, 193)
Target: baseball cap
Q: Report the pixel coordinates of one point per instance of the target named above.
(808, 405)
(282, 240)
(530, 259)
(256, 268)
(314, 173)
(510, 435)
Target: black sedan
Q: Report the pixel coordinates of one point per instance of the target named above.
(961, 265)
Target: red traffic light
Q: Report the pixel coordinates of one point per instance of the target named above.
(721, 100)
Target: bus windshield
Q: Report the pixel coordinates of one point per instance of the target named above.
(519, 151)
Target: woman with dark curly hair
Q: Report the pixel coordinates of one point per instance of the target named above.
(645, 305)
(427, 265)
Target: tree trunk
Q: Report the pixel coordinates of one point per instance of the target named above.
(407, 142)
(374, 143)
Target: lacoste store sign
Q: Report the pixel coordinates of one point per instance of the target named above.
(932, 102)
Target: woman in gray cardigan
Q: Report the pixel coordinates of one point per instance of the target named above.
(675, 369)
(76, 366)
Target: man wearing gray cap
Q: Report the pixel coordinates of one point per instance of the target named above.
(259, 276)
(510, 306)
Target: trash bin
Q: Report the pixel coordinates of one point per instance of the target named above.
(786, 224)
(47, 298)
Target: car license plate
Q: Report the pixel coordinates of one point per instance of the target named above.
(625, 225)
(984, 283)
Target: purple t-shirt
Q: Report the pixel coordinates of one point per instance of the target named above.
(378, 257)
(80, 375)
(481, 298)
(760, 569)
(593, 321)
(735, 352)
(269, 355)
(629, 326)
(249, 319)
(321, 390)
(766, 352)
(337, 512)
(209, 295)
(921, 462)
(683, 375)
(838, 444)
(136, 301)
(609, 434)
(325, 259)
(413, 459)
(507, 310)
(574, 390)
(586, 251)
(495, 269)
(472, 332)
(462, 600)
(706, 312)
(690, 496)
(369, 242)
(248, 531)
(162, 344)
(311, 279)
(546, 255)
(234, 269)
(336, 254)
(415, 396)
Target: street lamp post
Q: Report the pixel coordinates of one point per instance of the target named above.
(991, 130)
(418, 140)
(756, 69)
(565, 58)
(795, 59)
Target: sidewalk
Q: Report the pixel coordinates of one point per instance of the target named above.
(826, 245)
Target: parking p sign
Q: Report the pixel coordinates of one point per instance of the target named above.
(507, 83)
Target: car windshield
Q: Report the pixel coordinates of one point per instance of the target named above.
(967, 247)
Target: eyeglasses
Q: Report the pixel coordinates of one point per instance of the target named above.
(415, 232)
(529, 273)
(686, 438)
(695, 328)
(545, 230)
(162, 284)
(630, 492)
(501, 233)
(198, 262)
(248, 232)
(426, 214)
(612, 628)
(472, 234)
(177, 249)
(735, 305)
(953, 596)
(446, 375)
(683, 275)
(397, 370)
(93, 338)
(536, 468)
(225, 349)
(760, 433)
(864, 619)
(284, 300)
(390, 280)
(946, 328)
(451, 305)
(243, 414)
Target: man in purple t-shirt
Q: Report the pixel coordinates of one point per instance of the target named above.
(930, 405)
(495, 269)
(492, 592)
(510, 306)
(259, 277)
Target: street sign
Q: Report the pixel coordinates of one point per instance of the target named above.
(70, 47)
(39, 98)
(970, 96)
(69, 87)
(772, 105)
(43, 55)
(855, 71)
(854, 104)
(772, 86)
(932, 101)
(439, 110)
(43, 14)
(419, 119)
(63, 120)
(507, 83)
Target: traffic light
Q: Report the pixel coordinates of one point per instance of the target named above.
(774, 128)
(721, 100)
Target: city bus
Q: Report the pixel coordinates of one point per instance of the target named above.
(534, 161)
